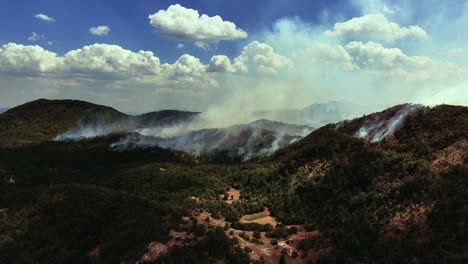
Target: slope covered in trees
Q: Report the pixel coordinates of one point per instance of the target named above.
(399, 200)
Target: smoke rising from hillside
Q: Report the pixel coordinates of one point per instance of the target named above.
(455, 95)
(250, 140)
(378, 130)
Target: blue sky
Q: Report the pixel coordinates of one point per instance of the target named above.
(260, 54)
(129, 24)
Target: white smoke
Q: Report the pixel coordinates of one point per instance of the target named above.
(376, 131)
(454, 95)
(197, 136)
(87, 130)
(247, 141)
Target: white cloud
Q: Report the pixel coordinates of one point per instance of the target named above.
(27, 60)
(112, 60)
(372, 57)
(256, 58)
(44, 17)
(189, 69)
(260, 58)
(99, 30)
(180, 46)
(34, 37)
(220, 63)
(201, 45)
(375, 26)
(456, 52)
(187, 65)
(111, 64)
(187, 24)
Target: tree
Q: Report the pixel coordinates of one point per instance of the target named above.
(257, 234)
(282, 260)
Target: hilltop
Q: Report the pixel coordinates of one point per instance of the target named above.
(43, 120)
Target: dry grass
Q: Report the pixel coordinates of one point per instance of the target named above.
(261, 218)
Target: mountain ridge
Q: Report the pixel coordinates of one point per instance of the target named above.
(42, 120)
(320, 114)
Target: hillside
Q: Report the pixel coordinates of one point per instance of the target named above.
(239, 142)
(335, 196)
(44, 120)
(165, 117)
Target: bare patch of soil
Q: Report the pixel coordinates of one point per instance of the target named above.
(262, 249)
(261, 218)
(233, 196)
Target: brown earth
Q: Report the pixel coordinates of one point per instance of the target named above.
(455, 154)
(412, 221)
(233, 196)
(261, 218)
(260, 251)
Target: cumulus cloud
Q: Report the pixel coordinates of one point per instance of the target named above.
(189, 70)
(220, 63)
(183, 23)
(103, 62)
(391, 62)
(261, 58)
(375, 56)
(112, 60)
(27, 60)
(187, 65)
(44, 17)
(375, 26)
(256, 57)
(99, 30)
(180, 46)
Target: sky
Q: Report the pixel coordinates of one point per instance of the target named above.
(224, 57)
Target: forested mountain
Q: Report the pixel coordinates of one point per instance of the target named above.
(43, 120)
(389, 187)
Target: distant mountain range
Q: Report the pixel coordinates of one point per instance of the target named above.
(3, 109)
(320, 114)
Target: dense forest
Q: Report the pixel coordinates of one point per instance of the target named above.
(400, 200)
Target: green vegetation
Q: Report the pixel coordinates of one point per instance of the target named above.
(256, 217)
(43, 120)
(371, 203)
